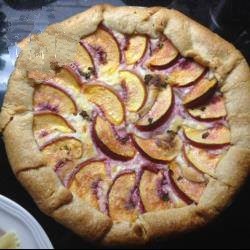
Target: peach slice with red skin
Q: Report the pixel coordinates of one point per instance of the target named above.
(83, 59)
(104, 49)
(185, 73)
(163, 55)
(200, 93)
(61, 154)
(159, 111)
(64, 169)
(215, 109)
(109, 141)
(46, 123)
(90, 179)
(152, 95)
(107, 100)
(135, 90)
(211, 137)
(67, 79)
(152, 198)
(121, 205)
(193, 190)
(63, 148)
(49, 97)
(65, 76)
(191, 173)
(137, 46)
(201, 159)
(160, 149)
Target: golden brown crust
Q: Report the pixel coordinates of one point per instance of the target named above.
(21, 147)
(192, 40)
(130, 20)
(216, 197)
(124, 233)
(89, 20)
(18, 98)
(233, 168)
(240, 129)
(237, 103)
(169, 222)
(5, 118)
(45, 188)
(25, 42)
(236, 89)
(83, 219)
(19, 94)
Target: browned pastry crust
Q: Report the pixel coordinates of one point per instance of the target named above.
(45, 188)
(20, 143)
(83, 219)
(192, 40)
(125, 233)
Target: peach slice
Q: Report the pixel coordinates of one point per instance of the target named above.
(192, 190)
(217, 136)
(62, 154)
(109, 141)
(185, 73)
(215, 109)
(163, 55)
(201, 159)
(153, 93)
(107, 101)
(137, 46)
(66, 79)
(64, 169)
(152, 198)
(160, 149)
(90, 182)
(83, 59)
(64, 76)
(135, 90)
(47, 123)
(105, 50)
(159, 112)
(191, 173)
(63, 148)
(121, 204)
(48, 97)
(200, 93)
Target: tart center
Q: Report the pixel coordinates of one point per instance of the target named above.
(131, 126)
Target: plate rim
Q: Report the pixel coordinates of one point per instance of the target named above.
(28, 220)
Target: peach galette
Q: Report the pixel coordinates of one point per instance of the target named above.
(127, 124)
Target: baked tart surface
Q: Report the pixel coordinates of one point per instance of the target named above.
(126, 124)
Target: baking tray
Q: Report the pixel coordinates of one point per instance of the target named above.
(228, 18)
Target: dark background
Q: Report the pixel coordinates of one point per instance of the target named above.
(229, 18)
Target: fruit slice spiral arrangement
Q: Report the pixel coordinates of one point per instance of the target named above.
(131, 126)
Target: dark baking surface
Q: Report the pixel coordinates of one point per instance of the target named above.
(229, 18)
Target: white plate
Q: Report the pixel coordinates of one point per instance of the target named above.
(15, 219)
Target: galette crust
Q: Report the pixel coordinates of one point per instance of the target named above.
(126, 233)
(45, 188)
(21, 147)
(192, 40)
(83, 219)
(172, 221)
